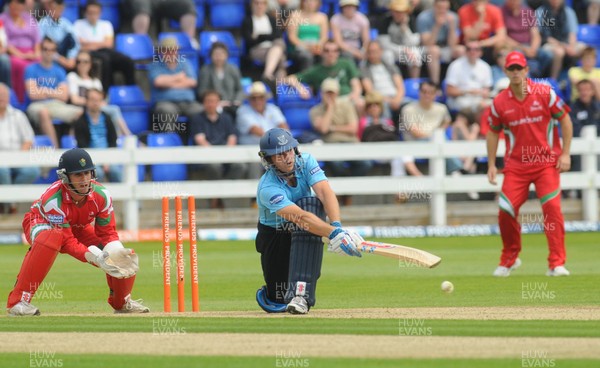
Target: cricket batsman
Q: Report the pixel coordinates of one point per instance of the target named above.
(292, 223)
(75, 216)
(528, 113)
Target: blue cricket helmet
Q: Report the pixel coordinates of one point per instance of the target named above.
(275, 141)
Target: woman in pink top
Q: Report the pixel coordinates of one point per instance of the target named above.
(24, 43)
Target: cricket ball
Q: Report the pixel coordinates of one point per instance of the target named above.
(447, 287)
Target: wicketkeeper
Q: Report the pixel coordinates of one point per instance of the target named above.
(75, 216)
(292, 223)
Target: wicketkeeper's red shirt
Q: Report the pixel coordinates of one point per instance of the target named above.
(530, 126)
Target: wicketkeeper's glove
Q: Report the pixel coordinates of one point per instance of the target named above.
(115, 260)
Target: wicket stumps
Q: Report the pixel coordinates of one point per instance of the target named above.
(179, 254)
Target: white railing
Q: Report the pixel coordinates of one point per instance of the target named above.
(437, 184)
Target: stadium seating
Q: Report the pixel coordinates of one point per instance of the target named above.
(589, 34)
(207, 38)
(185, 48)
(552, 83)
(134, 107)
(226, 13)
(42, 146)
(166, 172)
(411, 87)
(71, 11)
(138, 47)
(295, 109)
(68, 141)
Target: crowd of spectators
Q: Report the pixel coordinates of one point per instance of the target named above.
(354, 65)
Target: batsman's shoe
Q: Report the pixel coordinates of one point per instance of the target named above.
(133, 306)
(558, 271)
(298, 305)
(23, 309)
(502, 271)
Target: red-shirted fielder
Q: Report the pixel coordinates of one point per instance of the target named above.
(528, 113)
(74, 216)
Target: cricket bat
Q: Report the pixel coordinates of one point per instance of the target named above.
(415, 256)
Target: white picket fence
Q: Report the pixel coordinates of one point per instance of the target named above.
(437, 183)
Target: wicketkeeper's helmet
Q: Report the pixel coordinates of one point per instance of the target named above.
(74, 161)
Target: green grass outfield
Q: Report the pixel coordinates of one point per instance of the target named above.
(230, 274)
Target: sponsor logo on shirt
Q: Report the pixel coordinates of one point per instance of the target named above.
(315, 170)
(535, 106)
(276, 199)
(526, 120)
(56, 219)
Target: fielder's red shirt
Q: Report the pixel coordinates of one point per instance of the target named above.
(56, 208)
(530, 126)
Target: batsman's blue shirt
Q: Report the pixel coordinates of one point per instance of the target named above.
(274, 193)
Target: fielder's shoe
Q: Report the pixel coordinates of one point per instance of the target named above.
(502, 271)
(298, 305)
(23, 309)
(133, 306)
(558, 271)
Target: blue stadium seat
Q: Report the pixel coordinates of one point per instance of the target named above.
(134, 107)
(200, 14)
(68, 141)
(295, 109)
(374, 33)
(589, 34)
(207, 38)
(111, 13)
(42, 146)
(186, 50)
(226, 13)
(167, 172)
(136, 46)
(71, 12)
(411, 87)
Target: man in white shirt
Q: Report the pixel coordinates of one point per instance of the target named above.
(97, 37)
(469, 81)
(17, 135)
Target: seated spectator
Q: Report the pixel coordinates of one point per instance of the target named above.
(421, 118)
(308, 30)
(46, 87)
(332, 66)
(498, 67)
(466, 128)
(400, 43)
(523, 34)
(559, 34)
(587, 70)
(17, 135)
(336, 120)
(593, 11)
(482, 24)
(438, 28)
(585, 110)
(23, 44)
(384, 78)
(211, 128)
(223, 77)
(83, 79)
(172, 83)
(264, 41)
(97, 37)
(94, 129)
(469, 81)
(484, 123)
(351, 30)
(4, 58)
(373, 116)
(255, 118)
(53, 25)
(143, 11)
